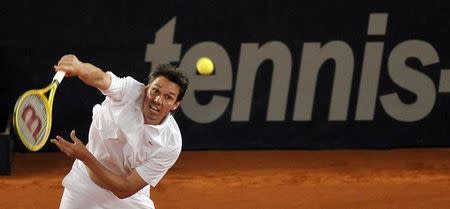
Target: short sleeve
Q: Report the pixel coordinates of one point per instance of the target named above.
(122, 89)
(156, 167)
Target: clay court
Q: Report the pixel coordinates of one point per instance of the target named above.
(347, 179)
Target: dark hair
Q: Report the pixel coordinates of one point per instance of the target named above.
(172, 74)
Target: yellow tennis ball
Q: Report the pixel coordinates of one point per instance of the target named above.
(205, 66)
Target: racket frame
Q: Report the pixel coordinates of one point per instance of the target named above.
(48, 105)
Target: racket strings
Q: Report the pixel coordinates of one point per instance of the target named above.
(33, 119)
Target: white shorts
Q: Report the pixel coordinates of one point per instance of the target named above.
(81, 192)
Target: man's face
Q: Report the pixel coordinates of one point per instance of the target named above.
(160, 99)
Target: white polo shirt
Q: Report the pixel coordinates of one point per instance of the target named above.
(120, 140)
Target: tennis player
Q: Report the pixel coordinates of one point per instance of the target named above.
(133, 138)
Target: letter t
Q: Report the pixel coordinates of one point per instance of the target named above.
(164, 50)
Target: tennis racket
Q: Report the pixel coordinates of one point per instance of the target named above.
(32, 117)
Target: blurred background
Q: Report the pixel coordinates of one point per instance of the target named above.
(289, 75)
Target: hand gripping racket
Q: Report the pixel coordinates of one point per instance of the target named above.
(32, 117)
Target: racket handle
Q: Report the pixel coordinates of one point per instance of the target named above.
(59, 76)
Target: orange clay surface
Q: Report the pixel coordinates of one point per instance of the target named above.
(347, 179)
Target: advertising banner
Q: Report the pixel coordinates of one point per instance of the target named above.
(295, 75)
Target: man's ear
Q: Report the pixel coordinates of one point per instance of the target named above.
(175, 106)
(146, 88)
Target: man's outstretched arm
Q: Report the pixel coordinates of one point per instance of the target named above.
(88, 73)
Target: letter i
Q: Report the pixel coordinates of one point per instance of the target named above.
(371, 66)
